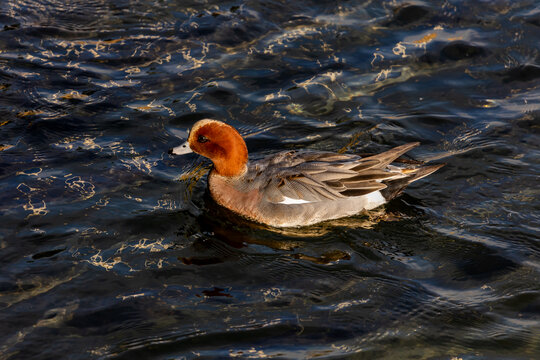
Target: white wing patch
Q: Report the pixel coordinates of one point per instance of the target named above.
(374, 199)
(290, 201)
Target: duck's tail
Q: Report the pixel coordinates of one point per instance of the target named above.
(413, 171)
(395, 187)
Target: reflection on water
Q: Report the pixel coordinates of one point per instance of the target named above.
(111, 248)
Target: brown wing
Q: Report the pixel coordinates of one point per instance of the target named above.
(319, 176)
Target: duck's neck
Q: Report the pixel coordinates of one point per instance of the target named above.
(233, 159)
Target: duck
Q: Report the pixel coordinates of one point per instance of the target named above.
(295, 188)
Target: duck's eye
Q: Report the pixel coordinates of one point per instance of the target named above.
(202, 139)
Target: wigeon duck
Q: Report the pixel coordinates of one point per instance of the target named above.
(297, 188)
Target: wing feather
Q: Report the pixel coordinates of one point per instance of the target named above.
(366, 185)
(315, 176)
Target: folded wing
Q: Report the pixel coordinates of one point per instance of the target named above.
(319, 176)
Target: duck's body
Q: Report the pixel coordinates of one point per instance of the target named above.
(297, 188)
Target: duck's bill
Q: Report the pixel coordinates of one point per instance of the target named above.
(181, 150)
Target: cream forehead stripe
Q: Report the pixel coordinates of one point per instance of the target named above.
(204, 122)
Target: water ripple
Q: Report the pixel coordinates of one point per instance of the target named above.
(111, 248)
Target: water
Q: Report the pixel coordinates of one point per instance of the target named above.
(111, 249)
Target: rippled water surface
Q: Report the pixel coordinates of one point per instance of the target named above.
(110, 247)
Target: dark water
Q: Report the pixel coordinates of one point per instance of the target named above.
(110, 249)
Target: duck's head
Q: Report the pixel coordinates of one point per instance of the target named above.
(219, 142)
